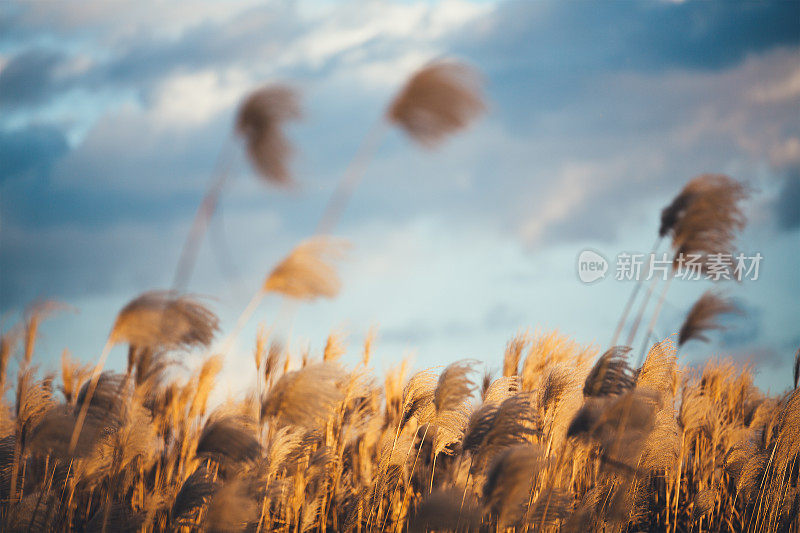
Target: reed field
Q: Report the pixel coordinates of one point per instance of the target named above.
(566, 437)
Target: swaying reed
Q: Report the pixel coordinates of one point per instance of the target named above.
(712, 217)
(307, 272)
(703, 315)
(703, 220)
(565, 447)
(560, 442)
(260, 122)
(439, 100)
(165, 321)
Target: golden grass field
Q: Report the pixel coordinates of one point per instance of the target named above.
(566, 438)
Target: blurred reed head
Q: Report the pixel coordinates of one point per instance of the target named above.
(307, 273)
(260, 121)
(438, 100)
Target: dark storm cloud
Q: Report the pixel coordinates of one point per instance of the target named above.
(788, 203)
(581, 36)
(30, 77)
(33, 148)
(553, 51)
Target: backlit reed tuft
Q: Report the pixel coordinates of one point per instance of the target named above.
(438, 100)
(307, 272)
(260, 122)
(165, 320)
(703, 315)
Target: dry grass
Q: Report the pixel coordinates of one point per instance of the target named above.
(329, 449)
(562, 441)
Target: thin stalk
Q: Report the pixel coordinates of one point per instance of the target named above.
(653, 319)
(242, 320)
(397, 485)
(379, 494)
(433, 471)
(87, 400)
(631, 299)
(464, 495)
(351, 178)
(642, 308)
(202, 217)
(411, 473)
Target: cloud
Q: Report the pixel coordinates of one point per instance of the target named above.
(742, 330)
(30, 149)
(788, 212)
(30, 77)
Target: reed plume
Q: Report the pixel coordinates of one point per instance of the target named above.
(230, 437)
(610, 374)
(702, 317)
(305, 397)
(165, 320)
(658, 448)
(712, 218)
(307, 272)
(260, 121)
(440, 99)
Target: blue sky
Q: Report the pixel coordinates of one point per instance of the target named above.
(112, 116)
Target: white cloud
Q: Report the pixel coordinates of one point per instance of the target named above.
(192, 99)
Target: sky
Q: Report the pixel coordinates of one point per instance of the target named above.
(113, 116)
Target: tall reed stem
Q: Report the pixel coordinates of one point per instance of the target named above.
(352, 176)
(631, 299)
(205, 211)
(87, 400)
(642, 309)
(653, 319)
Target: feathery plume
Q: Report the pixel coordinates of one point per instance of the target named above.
(509, 482)
(193, 495)
(702, 317)
(454, 386)
(164, 320)
(34, 315)
(610, 374)
(306, 273)
(513, 353)
(711, 219)
(8, 342)
(659, 369)
(673, 212)
(335, 347)
(260, 121)
(514, 423)
(52, 433)
(418, 397)
(73, 373)
(439, 99)
(501, 389)
(229, 436)
(305, 397)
